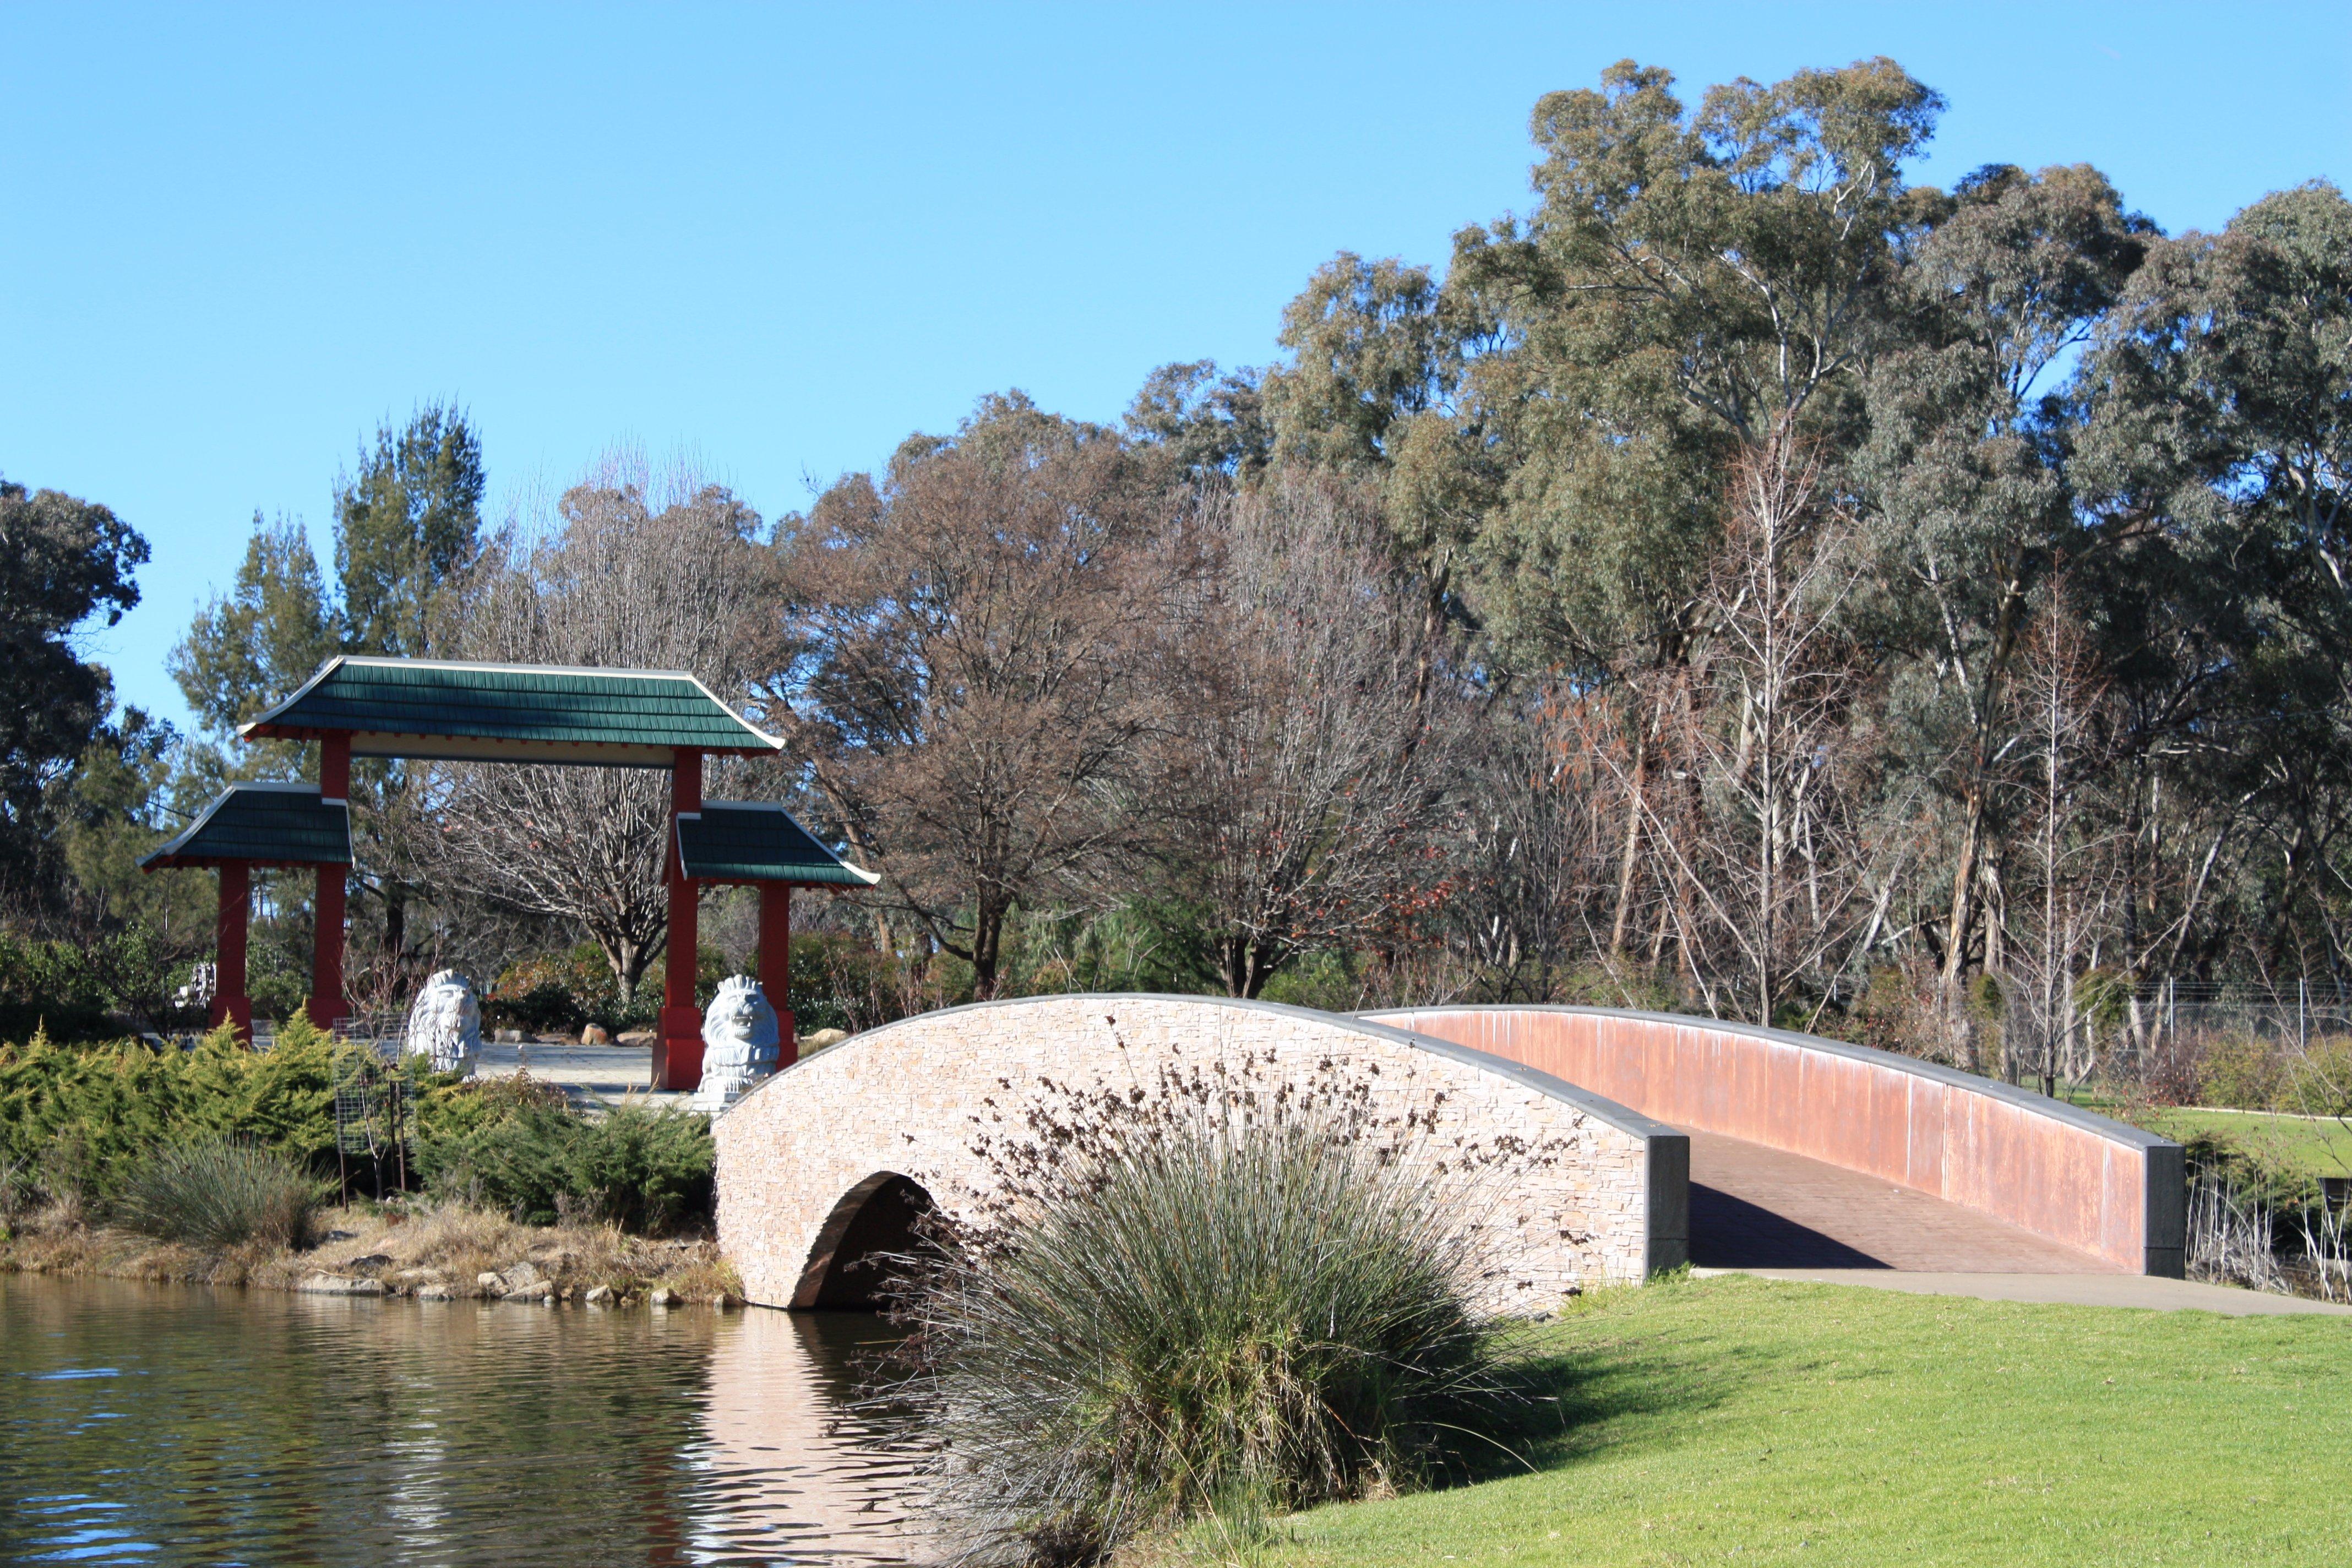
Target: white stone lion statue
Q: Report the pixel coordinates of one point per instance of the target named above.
(740, 1043)
(445, 1023)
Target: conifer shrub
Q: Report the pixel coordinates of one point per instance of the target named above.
(1212, 1297)
(112, 1107)
(522, 1151)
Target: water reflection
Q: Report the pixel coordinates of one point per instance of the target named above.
(150, 1423)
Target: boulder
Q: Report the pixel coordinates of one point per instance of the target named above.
(435, 1291)
(740, 1040)
(544, 1291)
(445, 1023)
(663, 1296)
(817, 1039)
(635, 1038)
(490, 1284)
(594, 1034)
(599, 1296)
(340, 1285)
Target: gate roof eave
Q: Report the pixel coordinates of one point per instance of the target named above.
(450, 710)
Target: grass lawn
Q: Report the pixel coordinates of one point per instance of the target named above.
(1733, 1420)
(2314, 1147)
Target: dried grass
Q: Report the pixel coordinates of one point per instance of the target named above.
(448, 1245)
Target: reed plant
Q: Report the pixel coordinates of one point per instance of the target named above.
(219, 1193)
(1210, 1300)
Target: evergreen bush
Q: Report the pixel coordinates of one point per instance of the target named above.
(641, 1168)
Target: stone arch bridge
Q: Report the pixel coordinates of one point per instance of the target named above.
(1667, 1140)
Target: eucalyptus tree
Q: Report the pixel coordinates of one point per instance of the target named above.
(2219, 398)
(1964, 469)
(407, 528)
(1696, 291)
(70, 563)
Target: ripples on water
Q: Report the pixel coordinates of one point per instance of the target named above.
(170, 1425)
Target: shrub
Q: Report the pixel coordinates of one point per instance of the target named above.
(218, 1193)
(2321, 1084)
(1194, 1300)
(116, 1105)
(644, 1169)
(2244, 1072)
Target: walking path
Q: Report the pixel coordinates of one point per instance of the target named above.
(599, 1075)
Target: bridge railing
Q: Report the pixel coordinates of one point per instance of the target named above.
(2076, 1178)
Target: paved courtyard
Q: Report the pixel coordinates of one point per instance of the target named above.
(598, 1074)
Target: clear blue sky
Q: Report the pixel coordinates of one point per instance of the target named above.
(780, 239)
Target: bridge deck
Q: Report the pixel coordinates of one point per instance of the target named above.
(1754, 1207)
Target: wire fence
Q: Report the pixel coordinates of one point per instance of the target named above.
(2295, 1012)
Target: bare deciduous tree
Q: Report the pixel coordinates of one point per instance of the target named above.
(1770, 863)
(1293, 786)
(615, 581)
(957, 670)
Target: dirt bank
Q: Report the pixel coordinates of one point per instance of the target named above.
(445, 1252)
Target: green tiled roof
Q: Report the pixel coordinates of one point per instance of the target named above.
(749, 841)
(506, 712)
(282, 824)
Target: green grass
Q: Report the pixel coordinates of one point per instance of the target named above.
(2314, 1147)
(1742, 1421)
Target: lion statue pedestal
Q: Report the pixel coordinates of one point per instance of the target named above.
(740, 1041)
(445, 1024)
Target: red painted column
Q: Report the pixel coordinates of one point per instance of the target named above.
(327, 934)
(229, 1001)
(677, 1062)
(776, 964)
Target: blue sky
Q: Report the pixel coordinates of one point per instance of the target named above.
(779, 240)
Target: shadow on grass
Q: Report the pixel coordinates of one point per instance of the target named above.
(1568, 1404)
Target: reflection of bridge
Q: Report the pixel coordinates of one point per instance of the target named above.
(1675, 1140)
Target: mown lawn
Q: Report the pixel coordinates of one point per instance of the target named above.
(2315, 1147)
(1733, 1420)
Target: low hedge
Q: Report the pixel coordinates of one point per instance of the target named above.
(86, 1121)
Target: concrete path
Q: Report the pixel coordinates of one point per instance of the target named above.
(2068, 1289)
(597, 1074)
(1753, 1208)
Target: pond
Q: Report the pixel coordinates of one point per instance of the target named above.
(168, 1425)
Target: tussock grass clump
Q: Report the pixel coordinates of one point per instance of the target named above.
(1203, 1300)
(218, 1193)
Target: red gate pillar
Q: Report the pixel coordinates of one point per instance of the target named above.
(327, 934)
(776, 964)
(678, 1052)
(230, 1004)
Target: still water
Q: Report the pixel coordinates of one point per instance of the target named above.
(180, 1424)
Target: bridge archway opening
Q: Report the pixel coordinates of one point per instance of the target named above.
(854, 1264)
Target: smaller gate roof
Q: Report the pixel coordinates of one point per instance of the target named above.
(754, 841)
(510, 713)
(266, 824)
